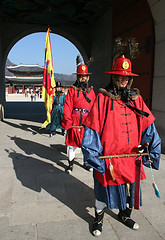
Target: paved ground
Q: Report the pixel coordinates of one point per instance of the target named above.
(38, 201)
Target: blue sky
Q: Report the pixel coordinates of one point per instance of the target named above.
(31, 50)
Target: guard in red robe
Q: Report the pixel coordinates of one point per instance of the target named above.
(117, 124)
(78, 103)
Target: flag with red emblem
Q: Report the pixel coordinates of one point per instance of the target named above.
(48, 80)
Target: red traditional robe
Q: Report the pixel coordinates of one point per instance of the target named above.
(120, 129)
(72, 117)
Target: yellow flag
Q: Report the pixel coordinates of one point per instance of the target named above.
(48, 80)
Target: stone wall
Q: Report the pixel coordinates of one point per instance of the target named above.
(158, 98)
(101, 51)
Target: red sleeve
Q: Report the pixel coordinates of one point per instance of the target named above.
(67, 121)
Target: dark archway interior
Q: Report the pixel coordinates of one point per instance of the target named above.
(80, 13)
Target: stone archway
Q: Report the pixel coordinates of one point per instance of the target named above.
(18, 37)
(90, 41)
(61, 33)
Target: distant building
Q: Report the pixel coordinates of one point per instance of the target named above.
(25, 78)
(28, 78)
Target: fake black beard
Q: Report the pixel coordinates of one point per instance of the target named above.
(124, 93)
(58, 92)
(83, 85)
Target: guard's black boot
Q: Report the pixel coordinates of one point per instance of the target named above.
(63, 132)
(124, 216)
(69, 169)
(98, 223)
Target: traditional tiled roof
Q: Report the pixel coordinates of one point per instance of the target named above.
(26, 68)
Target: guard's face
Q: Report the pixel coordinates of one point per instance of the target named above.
(83, 78)
(122, 80)
(58, 89)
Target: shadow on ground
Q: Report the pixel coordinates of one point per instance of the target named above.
(37, 174)
(30, 111)
(27, 127)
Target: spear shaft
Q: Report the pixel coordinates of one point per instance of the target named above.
(125, 155)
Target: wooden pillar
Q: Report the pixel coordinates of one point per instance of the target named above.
(34, 88)
(23, 88)
(13, 89)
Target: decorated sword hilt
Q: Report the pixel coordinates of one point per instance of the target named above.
(141, 148)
